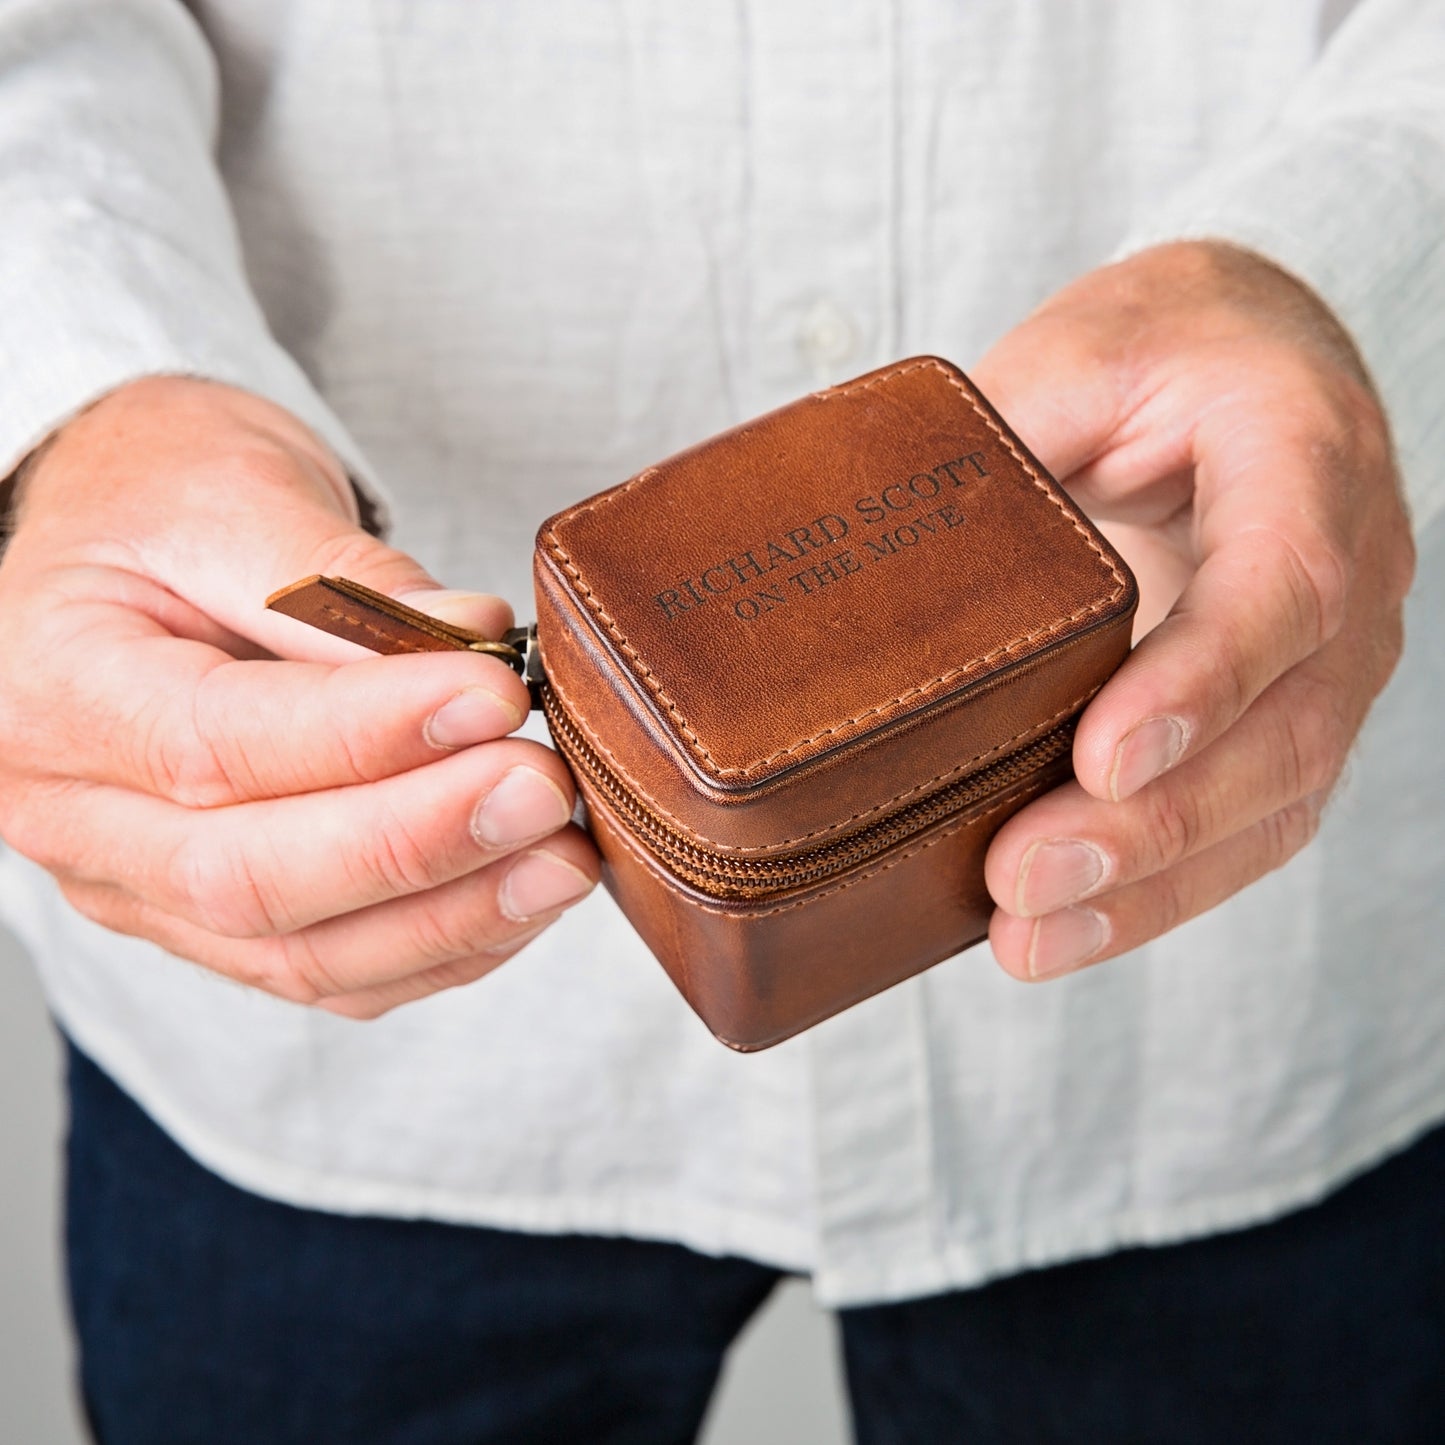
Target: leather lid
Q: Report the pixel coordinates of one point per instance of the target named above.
(822, 572)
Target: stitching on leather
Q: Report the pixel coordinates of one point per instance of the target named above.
(656, 870)
(362, 625)
(586, 725)
(650, 679)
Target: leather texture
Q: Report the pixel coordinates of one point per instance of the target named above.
(803, 673)
(347, 609)
(757, 973)
(783, 637)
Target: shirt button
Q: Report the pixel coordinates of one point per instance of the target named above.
(826, 336)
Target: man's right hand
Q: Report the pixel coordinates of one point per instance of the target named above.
(277, 805)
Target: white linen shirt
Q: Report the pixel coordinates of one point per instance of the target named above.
(502, 256)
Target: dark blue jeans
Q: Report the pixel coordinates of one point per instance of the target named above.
(208, 1315)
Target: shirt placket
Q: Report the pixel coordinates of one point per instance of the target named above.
(824, 243)
(820, 114)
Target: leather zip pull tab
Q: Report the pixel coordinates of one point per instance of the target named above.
(347, 609)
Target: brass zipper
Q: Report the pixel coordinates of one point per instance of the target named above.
(729, 878)
(385, 625)
(347, 609)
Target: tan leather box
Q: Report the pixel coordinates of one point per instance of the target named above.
(802, 673)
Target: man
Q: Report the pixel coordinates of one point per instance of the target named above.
(490, 268)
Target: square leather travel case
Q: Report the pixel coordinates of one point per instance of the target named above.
(802, 673)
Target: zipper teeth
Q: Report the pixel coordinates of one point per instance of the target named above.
(725, 877)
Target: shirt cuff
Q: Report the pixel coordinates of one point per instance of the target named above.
(90, 306)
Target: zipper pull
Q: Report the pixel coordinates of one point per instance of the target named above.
(347, 609)
(524, 641)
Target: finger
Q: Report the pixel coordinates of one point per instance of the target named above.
(372, 1003)
(247, 502)
(1068, 846)
(319, 547)
(1248, 615)
(1076, 937)
(571, 881)
(1050, 380)
(388, 954)
(272, 867)
(478, 612)
(489, 912)
(1270, 590)
(185, 722)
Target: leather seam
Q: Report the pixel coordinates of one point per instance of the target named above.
(362, 625)
(588, 728)
(651, 681)
(657, 870)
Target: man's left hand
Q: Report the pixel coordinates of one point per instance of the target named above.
(1214, 418)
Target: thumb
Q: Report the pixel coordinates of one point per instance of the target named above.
(229, 557)
(338, 550)
(222, 498)
(1053, 380)
(477, 611)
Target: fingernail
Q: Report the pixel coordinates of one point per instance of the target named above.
(454, 604)
(473, 716)
(1056, 872)
(1150, 749)
(537, 883)
(1064, 940)
(524, 804)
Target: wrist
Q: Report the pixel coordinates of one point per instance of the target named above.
(152, 432)
(1256, 286)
